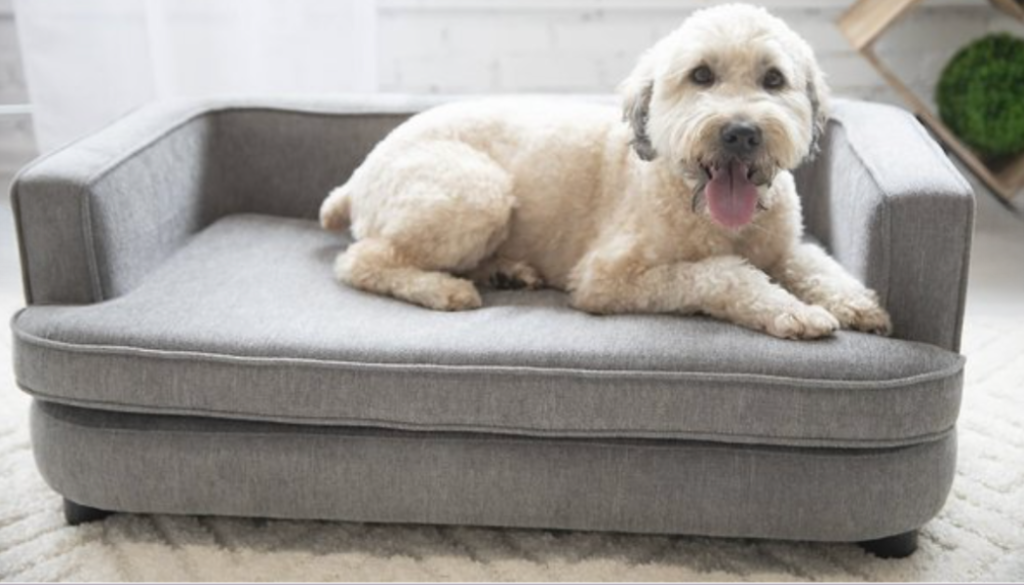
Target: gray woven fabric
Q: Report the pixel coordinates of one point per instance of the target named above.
(201, 466)
(246, 321)
(94, 215)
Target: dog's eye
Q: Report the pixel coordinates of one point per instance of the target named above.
(773, 79)
(702, 75)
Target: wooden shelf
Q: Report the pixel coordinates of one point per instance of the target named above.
(1012, 172)
(866, 20)
(864, 23)
(1011, 7)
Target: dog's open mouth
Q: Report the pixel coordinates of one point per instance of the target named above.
(731, 194)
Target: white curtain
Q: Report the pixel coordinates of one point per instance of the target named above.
(88, 62)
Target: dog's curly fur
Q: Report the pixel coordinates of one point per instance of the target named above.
(611, 207)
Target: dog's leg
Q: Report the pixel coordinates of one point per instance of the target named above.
(726, 287)
(375, 265)
(816, 278)
(424, 213)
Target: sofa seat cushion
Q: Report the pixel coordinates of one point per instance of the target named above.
(247, 322)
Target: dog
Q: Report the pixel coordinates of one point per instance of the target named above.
(683, 202)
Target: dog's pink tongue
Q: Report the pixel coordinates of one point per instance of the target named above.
(732, 198)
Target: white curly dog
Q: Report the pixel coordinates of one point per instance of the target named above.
(684, 205)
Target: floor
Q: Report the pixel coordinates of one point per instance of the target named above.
(976, 537)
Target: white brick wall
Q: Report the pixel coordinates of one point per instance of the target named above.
(487, 46)
(481, 46)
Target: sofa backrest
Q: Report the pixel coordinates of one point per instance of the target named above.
(284, 163)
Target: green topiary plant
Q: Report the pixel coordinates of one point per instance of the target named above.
(981, 95)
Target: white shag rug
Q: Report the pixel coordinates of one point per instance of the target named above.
(979, 536)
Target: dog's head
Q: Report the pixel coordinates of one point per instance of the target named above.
(728, 99)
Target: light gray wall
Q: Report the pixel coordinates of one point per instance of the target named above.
(16, 143)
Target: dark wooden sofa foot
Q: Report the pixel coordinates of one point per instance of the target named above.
(892, 547)
(76, 514)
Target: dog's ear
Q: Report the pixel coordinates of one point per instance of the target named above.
(818, 93)
(636, 91)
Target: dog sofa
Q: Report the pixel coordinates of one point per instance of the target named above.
(189, 352)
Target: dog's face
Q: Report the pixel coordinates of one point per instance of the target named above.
(728, 99)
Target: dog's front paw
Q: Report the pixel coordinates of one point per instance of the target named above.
(802, 322)
(451, 295)
(862, 312)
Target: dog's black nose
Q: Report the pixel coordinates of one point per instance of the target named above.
(741, 138)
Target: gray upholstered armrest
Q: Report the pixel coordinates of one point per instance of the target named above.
(888, 204)
(94, 216)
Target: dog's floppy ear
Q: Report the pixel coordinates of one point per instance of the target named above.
(818, 93)
(636, 91)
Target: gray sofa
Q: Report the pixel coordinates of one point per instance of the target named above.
(189, 352)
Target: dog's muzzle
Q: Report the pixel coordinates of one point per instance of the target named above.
(741, 139)
(730, 180)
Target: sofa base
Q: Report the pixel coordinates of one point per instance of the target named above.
(186, 465)
(893, 547)
(76, 514)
